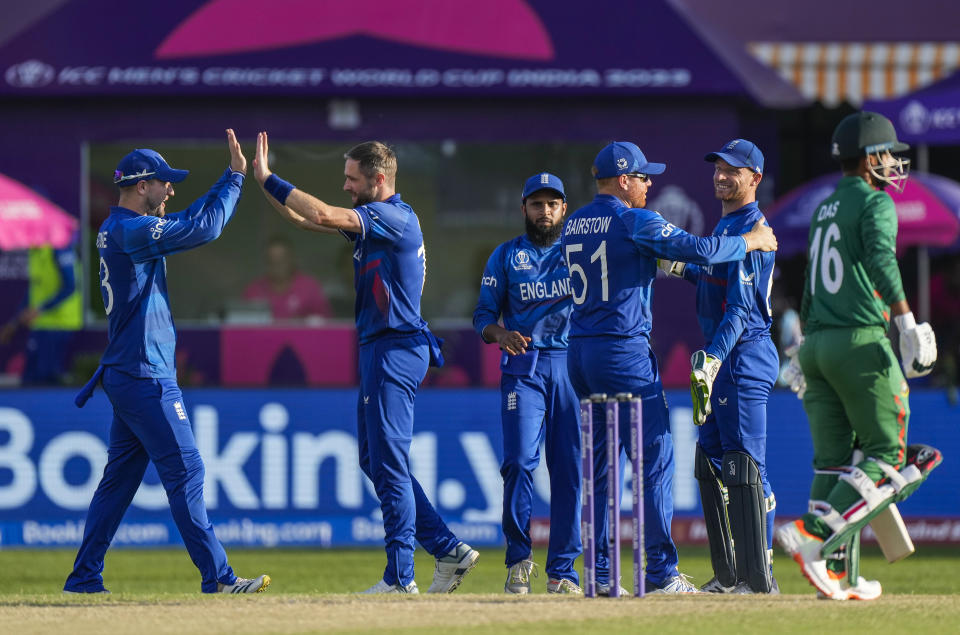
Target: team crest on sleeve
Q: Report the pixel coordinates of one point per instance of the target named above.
(521, 260)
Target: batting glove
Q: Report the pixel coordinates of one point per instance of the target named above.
(704, 371)
(671, 267)
(918, 346)
(792, 375)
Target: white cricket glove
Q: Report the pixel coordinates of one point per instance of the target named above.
(704, 369)
(918, 345)
(671, 267)
(792, 375)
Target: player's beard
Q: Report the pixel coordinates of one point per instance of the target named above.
(363, 197)
(543, 236)
(156, 208)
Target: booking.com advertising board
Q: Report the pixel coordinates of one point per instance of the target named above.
(281, 468)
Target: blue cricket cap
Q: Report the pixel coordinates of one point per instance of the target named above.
(543, 181)
(623, 157)
(143, 165)
(739, 153)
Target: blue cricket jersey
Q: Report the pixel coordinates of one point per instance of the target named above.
(133, 276)
(733, 298)
(611, 253)
(390, 266)
(529, 286)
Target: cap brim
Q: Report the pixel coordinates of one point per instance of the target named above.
(526, 195)
(899, 146)
(735, 162)
(171, 175)
(655, 168)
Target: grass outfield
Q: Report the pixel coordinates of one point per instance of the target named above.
(157, 591)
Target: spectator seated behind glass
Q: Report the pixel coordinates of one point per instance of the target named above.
(290, 293)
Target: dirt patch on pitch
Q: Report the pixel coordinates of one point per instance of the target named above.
(493, 613)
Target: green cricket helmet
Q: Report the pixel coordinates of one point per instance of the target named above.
(868, 133)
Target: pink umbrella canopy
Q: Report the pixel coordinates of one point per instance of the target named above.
(928, 211)
(29, 220)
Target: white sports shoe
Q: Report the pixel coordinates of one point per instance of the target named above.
(563, 586)
(603, 590)
(804, 548)
(245, 585)
(864, 590)
(452, 568)
(518, 577)
(383, 587)
(679, 583)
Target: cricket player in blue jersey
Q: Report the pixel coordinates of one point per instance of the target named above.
(730, 383)
(527, 285)
(138, 370)
(396, 347)
(611, 246)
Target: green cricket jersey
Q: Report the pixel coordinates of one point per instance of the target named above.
(852, 274)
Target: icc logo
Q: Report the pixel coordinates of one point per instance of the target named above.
(521, 260)
(914, 118)
(30, 74)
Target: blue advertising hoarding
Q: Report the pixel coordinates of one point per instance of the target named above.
(281, 467)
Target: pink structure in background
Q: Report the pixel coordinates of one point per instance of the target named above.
(499, 28)
(490, 355)
(29, 220)
(328, 355)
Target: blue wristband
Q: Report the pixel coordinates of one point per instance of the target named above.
(278, 188)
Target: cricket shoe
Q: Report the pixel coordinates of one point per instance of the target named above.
(743, 588)
(563, 586)
(97, 592)
(678, 584)
(865, 590)
(383, 587)
(804, 548)
(714, 586)
(452, 568)
(245, 585)
(518, 577)
(603, 590)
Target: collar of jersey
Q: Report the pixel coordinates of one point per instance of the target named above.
(116, 209)
(746, 208)
(610, 199)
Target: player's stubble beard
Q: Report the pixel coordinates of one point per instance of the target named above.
(364, 197)
(542, 235)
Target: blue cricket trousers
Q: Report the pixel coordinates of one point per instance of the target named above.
(150, 423)
(391, 369)
(537, 408)
(739, 403)
(613, 364)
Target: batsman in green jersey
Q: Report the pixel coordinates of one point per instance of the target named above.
(856, 396)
